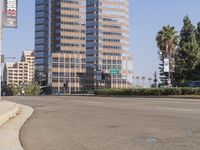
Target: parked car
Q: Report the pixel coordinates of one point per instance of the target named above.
(194, 84)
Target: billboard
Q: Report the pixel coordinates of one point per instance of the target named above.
(10, 14)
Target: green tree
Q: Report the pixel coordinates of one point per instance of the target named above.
(8, 90)
(197, 69)
(167, 40)
(32, 89)
(198, 34)
(187, 56)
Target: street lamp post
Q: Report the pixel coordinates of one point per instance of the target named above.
(133, 80)
(64, 85)
(70, 74)
(169, 73)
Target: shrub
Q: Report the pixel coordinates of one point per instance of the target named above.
(190, 91)
(14, 90)
(149, 91)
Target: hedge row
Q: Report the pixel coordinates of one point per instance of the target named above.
(149, 91)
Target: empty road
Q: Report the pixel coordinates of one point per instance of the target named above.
(105, 123)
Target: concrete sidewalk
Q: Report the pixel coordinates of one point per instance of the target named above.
(12, 118)
(8, 110)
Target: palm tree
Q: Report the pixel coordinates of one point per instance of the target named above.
(133, 79)
(150, 79)
(143, 78)
(155, 80)
(137, 78)
(167, 41)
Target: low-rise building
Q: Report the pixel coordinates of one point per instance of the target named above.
(20, 72)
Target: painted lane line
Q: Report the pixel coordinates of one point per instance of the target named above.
(178, 109)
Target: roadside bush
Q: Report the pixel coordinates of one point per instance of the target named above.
(32, 89)
(16, 90)
(190, 91)
(149, 91)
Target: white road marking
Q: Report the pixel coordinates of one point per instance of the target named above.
(178, 109)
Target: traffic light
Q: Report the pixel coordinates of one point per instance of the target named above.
(65, 85)
(103, 77)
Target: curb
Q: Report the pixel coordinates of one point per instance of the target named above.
(168, 96)
(10, 131)
(13, 110)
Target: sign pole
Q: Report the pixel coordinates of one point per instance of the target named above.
(1, 35)
(59, 75)
(70, 74)
(169, 80)
(8, 19)
(168, 69)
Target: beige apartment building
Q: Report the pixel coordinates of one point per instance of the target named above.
(20, 72)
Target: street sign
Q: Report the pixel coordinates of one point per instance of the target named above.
(10, 14)
(166, 65)
(114, 71)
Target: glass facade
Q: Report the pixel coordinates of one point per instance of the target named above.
(60, 43)
(108, 40)
(75, 39)
(41, 35)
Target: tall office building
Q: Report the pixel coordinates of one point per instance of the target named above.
(60, 43)
(108, 44)
(77, 40)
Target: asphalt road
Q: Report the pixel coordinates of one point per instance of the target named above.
(100, 123)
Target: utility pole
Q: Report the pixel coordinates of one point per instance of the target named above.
(75, 73)
(126, 71)
(70, 74)
(64, 87)
(169, 73)
(59, 75)
(1, 34)
(10, 22)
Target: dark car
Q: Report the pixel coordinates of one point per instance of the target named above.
(194, 84)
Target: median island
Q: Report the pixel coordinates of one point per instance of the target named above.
(150, 92)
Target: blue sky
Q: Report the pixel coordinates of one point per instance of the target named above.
(146, 18)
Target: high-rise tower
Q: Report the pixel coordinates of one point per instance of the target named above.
(60, 43)
(78, 41)
(108, 43)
